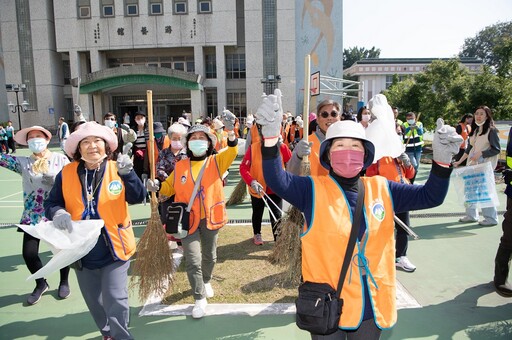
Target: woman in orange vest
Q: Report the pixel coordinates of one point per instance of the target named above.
(95, 187)
(252, 173)
(464, 129)
(328, 203)
(208, 213)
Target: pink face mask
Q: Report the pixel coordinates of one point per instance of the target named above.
(347, 163)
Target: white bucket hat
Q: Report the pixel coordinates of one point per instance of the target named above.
(347, 129)
(217, 124)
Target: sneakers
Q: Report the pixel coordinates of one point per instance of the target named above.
(199, 309)
(467, 219)
(64, 291)
(404, 263)
(40, 289)
(208, 290)
(486, 223)
(257, 240)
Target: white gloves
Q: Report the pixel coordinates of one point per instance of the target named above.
(228, 119)
(303, 148)
(256, 186)
(153, 185)
(124, 162)
(62, 220)
(270, 115)
(406, 161)
(446, 143)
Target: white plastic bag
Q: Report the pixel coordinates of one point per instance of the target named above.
(382, 131)
(475, 185)
(66, 247)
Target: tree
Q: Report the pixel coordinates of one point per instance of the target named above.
(447, 89)
(484, 44)
(353, 54)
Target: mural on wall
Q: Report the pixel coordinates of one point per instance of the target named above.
(319, 30)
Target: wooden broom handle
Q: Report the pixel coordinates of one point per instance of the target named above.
(307, 93)
(151, 146)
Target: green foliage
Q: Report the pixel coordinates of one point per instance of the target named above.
(353, 54)
(447, 89)
(490, 45)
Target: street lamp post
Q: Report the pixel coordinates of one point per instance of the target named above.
(18, 107)
(270, 83)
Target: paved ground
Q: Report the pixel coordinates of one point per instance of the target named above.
(452, 286)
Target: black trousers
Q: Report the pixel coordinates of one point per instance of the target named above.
(258, 206)
(11, 144)
(402, 238)
(32, 259)
(506, 238)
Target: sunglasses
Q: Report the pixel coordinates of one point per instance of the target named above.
(325, 114)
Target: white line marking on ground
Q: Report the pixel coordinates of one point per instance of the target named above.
(16, 193)
(154, 307)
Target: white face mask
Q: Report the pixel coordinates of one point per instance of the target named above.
(198, 147)
(176, 144)
(480, 124)
(110, 123)
(37, 145)
(141, 121)
(94, 161)
(411, 121)
(365, 118)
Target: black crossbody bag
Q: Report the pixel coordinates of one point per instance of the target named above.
(318, 305)
(177, 217)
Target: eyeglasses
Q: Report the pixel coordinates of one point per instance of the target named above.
(325, 114)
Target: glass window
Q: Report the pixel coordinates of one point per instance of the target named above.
(211, 66)
(204, 6)
(237, 102)
(156, 9)
(179, 66)
(235, 66)
(108, 11)
(211, 101)
(180, 7)
(67, 72)
(132, 10)
(84, 9)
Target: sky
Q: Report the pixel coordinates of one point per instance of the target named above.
(419, 28)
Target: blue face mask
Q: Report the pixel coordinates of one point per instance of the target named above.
(198, 147)
(37, 145)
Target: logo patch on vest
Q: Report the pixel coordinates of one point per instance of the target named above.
(183, 179)
(378, 211)
(115, 187)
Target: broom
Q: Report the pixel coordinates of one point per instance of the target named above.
(154, 266)
(239, 193)
(288, 245)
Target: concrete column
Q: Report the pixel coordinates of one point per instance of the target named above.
(197, 104)
(221, 77)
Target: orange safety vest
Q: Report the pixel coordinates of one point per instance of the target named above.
(388, 167)
(210, 195)
(167, 142)
(465, 131)
(222, 142)
(112, 206)
(314, 158)
(324, 243)
(256, 170)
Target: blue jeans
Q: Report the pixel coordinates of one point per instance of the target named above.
(415, 157)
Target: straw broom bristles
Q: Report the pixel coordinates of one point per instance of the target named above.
(154, 267)
(239, 193)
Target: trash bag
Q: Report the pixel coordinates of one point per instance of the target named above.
(66, 247)
(475, 185)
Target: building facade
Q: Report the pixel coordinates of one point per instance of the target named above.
(377, 74)
(197, 56)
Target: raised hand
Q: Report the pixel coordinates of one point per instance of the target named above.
(124, 162)
(270, 115)
(228, 119)
(446, 143)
